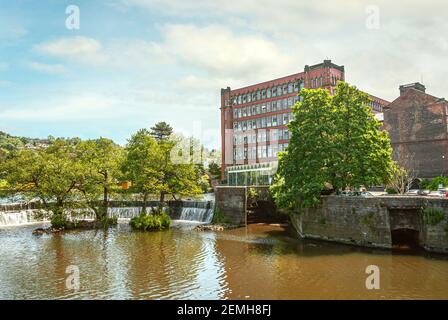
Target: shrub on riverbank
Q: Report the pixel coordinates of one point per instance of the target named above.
(151, 222)
(59, 221)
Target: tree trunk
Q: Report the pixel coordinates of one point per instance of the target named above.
(145, 200)
(162, 198)
(105, 197)
(105, 202)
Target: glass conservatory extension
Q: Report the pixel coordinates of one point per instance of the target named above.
(258, 174)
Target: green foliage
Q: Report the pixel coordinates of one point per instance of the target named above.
(10, 144)
(161, 131)
(432, 216)
(391, 191)
(215, 170)
(50, 174)
(433, 185)
(3, 184)
(252, 193)
(335, 141)
(108, 221)
(143, 163)
(151, 222)
(59, 221)
(204, 183)
(425, 184)
(101, 160)
(219, 217)
(154, 168)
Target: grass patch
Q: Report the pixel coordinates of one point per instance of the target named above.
(432, 216)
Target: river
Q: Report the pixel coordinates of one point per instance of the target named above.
(256, 262)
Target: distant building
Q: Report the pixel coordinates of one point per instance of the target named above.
(254, 121)
(418, 128)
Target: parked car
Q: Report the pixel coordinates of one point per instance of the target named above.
(415, 192)
(356, 194)
(436, 194)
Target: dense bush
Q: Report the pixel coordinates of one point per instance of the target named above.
(391, 191)
(59, 221)
(149, 222)
(108, 221)
(433, 185)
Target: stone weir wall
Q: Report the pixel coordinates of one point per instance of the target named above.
(375, 221)
(233, 202)
(175, 206)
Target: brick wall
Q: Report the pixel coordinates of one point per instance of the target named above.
(417, 126)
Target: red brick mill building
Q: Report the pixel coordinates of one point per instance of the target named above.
(417, 124)
(254, 121)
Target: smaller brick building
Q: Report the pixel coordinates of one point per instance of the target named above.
(417, 124)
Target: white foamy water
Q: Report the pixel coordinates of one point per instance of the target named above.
(199, 214)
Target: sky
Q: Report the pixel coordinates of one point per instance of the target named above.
(132, 63)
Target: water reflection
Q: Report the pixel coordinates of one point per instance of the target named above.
(257, 262)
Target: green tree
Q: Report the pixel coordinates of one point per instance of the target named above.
(159, 167)
(142, 165)
(335, 143)
(161, 131)
(215, 170)
(101, 159)
(180, 167)
(50, 174)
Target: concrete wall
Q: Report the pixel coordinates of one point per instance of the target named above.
(369, 221)
(232, 202)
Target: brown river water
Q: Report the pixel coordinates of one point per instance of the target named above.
(256, 262)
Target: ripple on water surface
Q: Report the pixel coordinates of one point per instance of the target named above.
(257, 262)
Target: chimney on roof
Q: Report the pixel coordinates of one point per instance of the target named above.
(417, 86)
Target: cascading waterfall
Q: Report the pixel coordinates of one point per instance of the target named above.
(195, 211)
(199, 211)
(17, 218)
(197, 215)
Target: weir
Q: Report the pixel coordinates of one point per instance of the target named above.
(195, 211)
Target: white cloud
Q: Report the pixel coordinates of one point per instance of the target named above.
(411, 42)
(47, 68)
(79, 49)
(76, 107)
(218, 51)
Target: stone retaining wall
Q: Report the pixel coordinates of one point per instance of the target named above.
(232, 201)
(370, 221)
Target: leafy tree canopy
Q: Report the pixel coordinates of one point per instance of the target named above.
(335, 144)
(161, 131)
